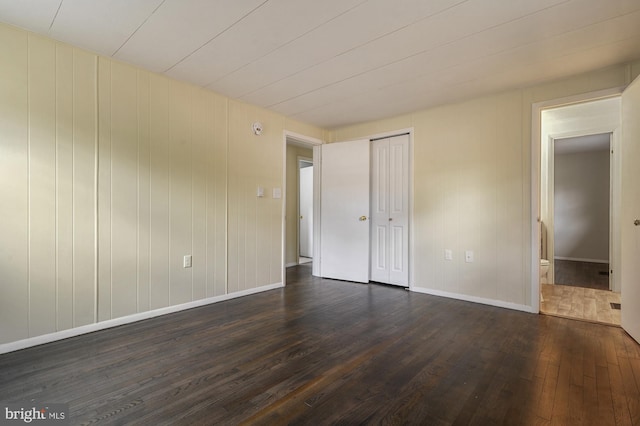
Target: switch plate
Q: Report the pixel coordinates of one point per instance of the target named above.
(448, 254)
(468, 256)
(277, 193)
(260, 191)
(187, 261)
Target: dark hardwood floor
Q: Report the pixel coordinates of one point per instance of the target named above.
(328, 352)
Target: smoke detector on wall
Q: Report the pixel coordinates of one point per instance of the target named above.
(257, 128)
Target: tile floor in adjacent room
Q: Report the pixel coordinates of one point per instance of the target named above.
(580, 303)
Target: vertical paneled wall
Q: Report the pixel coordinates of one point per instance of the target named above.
(47, 185)
(162, 191)
(14, 173)
(255, 223)
(177, 169)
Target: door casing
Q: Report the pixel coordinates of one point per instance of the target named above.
(315, 144)
(536, 122)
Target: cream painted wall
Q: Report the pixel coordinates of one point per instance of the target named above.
(176, 169)
(291, 244)
(47, 156)
(472, 187)
(162, 191)
(255, 224)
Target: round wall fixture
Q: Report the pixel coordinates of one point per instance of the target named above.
(257, 127)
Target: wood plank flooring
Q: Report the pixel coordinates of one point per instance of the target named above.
(328, 352)
(580, 303)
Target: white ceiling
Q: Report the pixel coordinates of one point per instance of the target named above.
(337, 62)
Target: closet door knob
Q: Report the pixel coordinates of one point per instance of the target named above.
(363, 218)
(636, 222)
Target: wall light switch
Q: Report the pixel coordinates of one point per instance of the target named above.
(468, 256)
(448, 254)
(277, 193)
(187, 261)
(260, 192)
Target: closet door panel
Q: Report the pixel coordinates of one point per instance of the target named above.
(380, 210)
(399, 209)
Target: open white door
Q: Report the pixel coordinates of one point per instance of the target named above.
(630, 215)
(344, 209)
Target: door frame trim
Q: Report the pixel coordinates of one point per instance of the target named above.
(536, 135)
(313, 143)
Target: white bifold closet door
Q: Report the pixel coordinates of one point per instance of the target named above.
(390, 210)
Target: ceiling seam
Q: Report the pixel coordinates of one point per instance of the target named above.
(217, 35)
(55, 16)
(434, 48)
(357, 47)
(136, 30)
(513, 87)
(288, 42)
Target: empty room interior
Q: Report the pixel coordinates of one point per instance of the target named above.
(305, 212)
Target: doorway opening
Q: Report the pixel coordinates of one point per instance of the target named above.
(579, 201)
(581, 211)
(300, 203)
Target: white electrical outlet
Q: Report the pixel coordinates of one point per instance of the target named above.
(468, 256)
(448, 254)
(187, 261)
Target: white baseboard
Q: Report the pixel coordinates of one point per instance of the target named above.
(90, 328)
(474, 299)
(289, 265)
(579, 259)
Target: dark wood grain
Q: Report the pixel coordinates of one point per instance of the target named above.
(329, 352)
